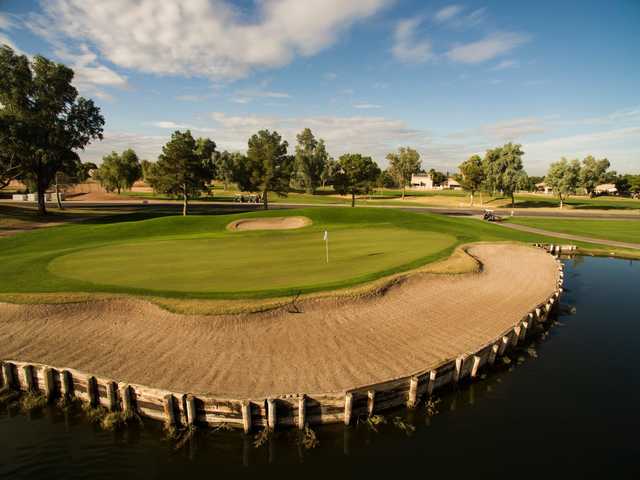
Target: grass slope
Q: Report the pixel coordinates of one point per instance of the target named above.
(619, 230)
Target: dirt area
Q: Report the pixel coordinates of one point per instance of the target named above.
(274, 223)
(320, 346)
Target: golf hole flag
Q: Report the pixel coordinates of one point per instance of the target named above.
(326, 244)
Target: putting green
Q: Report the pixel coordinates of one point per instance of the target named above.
(249, 262)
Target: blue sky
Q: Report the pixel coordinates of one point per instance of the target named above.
(449, 79)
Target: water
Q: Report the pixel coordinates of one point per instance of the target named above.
(574, 408)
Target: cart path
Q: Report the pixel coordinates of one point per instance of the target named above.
(333, 345)
(568, 236)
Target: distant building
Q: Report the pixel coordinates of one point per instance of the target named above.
(606, 189)
(423, 181)
(543, 188)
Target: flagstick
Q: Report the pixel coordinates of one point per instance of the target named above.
(326, 244)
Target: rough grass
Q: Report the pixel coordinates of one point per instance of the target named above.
(619, 230)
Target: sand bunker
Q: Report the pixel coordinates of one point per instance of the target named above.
(275, 223)
(327, 345)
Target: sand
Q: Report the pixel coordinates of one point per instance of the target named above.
(332, 345)
(274, 223)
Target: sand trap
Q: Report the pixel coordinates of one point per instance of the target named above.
(275, 223)
(332, 345)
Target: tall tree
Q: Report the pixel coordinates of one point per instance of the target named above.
(472, 175)
(267, 167)
(119, 172)
(329, 171)
(564, 178)
(437, 177)
(593, 172)
(311, 160)
(402, 164)
(224, 162)
(48, 121)
(182, 168)
(504, 170)
(146, 166)
(357, 175)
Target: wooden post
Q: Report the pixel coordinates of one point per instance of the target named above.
(66, 381)
(92, 391)
(371, 402)
(272, 417)
(348, 407)
(493, 354)
(302, 411)
(458, 371)
(503, 345)
(112, 396)
(476, 366)
(245, 406)
(169, 404)
(432, 382)
(8, 374)
(523, 331)
(516, 335)
(191, 410)
(30, 379)
(127, 399)
(49, 384)
(413, 392)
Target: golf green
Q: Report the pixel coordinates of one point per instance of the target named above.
(251, 261)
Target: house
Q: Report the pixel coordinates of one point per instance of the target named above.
(606, 189)
(421, 181)
(451, 184)
(543, 188)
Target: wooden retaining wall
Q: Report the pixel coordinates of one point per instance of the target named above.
(295, 410)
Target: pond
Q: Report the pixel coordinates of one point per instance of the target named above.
(568, 401)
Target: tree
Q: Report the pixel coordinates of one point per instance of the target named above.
(47, 120)
(592, 173)
(224, 163)
(310, 161)
(437, 177)
(403, 164)
(330, 169)
(564, 178)
(9, 151)
(357, 175)
(182, 168)
(471, 175)
(267, 167)
(146, 166)
(119, 172)
(504, 171)
(386, 180)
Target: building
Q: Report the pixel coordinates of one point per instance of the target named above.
(423, 181)
(543, 188)
(606, 189)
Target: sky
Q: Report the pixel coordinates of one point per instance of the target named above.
(449, 79)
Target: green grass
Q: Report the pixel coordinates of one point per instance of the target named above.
(619, 230)
(196, 257)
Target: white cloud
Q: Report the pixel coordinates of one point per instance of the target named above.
(366, 106)
(512, 130)
(406, 47)
(330, 76)
(5, 21)
(488, 48)
(447, 13)
(505, 64)
(209, 38)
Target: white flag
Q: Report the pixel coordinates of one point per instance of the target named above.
(326, 236)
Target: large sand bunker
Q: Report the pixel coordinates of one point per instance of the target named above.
(274, 223)
(326, 345)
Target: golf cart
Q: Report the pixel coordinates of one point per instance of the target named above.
(490, 216)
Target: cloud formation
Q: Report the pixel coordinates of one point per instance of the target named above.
(208, 38)
(488, 48)
(406, 46)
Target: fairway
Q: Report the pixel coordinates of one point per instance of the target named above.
(246, 262)
(618, 230)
